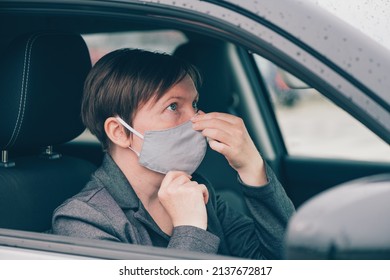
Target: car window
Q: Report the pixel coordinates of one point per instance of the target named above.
(100, 44)
(313, 126)
(160, 40)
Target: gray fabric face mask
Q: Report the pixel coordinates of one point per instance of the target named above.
(180, 148)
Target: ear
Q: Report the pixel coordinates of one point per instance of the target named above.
(116, 133)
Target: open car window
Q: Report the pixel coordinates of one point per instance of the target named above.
(312, 125)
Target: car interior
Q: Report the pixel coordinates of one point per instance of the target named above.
(43, 63)
(42, 75)
(44, 99)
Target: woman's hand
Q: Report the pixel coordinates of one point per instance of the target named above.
(184, 200)
(228, 135)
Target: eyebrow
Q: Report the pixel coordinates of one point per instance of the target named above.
(180, 97)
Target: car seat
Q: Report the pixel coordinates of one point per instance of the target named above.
(216, 94)
(41, 83)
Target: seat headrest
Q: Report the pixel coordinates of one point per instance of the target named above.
(41, 84)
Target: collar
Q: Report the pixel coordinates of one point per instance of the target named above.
(117, 184)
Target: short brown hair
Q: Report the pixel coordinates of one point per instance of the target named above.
(123, 80)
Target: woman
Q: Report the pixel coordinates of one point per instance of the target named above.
(142, 106)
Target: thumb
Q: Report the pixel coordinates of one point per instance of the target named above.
(205, 193)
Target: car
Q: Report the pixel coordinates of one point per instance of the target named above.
(337, 131)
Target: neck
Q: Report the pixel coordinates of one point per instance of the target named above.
(145, 182)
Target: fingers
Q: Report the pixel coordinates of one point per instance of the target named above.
(184, 200)
(201, 188)
(228, 136)
(219, 126)
(219, 147)
(205, 193)
(178, 181)
(177, 177)
(216, 115)
(172, 175)
(226, 133)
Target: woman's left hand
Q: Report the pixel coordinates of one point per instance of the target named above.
(228, 135)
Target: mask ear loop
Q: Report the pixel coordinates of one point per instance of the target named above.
(131, 130)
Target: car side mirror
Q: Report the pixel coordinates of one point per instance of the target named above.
(350, 221)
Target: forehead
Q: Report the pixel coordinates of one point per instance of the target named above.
(184, 89)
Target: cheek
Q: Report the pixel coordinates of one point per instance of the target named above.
(169, 119)
(136, 143)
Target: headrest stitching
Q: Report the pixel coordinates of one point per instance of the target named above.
(23, 98)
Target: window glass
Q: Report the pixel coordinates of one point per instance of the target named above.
(313, 126)
(103, 43)
(161, 41)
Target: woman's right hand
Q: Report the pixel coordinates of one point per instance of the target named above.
(184, 200)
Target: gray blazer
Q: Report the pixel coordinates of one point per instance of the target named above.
(108, 209)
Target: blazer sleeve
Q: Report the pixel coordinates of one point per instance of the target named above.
(78, 219)
(261, 235)
(192, 238)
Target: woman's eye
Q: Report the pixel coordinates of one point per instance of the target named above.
(172, 107)
(195, 104)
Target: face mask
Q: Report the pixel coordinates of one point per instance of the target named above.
(180, 148)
